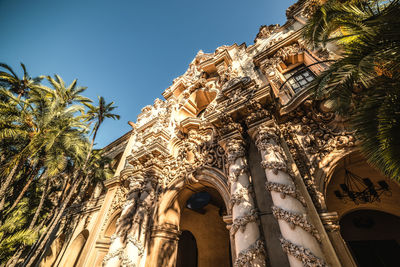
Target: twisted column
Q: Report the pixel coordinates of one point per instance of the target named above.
(300, 239)
(134, 254)
(115, 255)
(249, 248)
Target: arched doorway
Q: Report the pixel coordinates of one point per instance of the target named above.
(201, 216)
(75, 249)
(365, 211)
(373, 237)
(187, 250)
(207, 223)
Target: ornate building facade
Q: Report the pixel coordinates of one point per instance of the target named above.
(237, 166)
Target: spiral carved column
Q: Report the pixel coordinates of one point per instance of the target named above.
(249, 248)
(116, 255)
(300, 239)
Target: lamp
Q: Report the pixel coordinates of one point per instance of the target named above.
(361, 190)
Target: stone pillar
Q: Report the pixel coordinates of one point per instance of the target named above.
(116, 255)
(300, 239)
(332, 227)
(248, 245)
(164, 245)
(134, 254)
(228, 220)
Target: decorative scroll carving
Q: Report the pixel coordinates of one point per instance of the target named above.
(247, 256)
(240, 222)
(240, 195)
(311, 134)
(285, 190)
(304, 255)
(294, 219)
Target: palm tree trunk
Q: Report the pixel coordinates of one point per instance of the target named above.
(5, 185)
(15, 258)
(79, 179)
(51, 228)
(28, 183)
(39, 208)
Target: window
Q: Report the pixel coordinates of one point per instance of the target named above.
(299, 77)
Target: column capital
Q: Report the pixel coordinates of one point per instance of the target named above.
(330, 221)
(234, 147)
(265, 129)
(167, 231)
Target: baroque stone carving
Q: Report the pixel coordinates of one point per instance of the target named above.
(330, 221)
(240, 195)
(295, 220)
(234, 150)
(247, 256)
(285, 190)
(304, 255)
(240, 222)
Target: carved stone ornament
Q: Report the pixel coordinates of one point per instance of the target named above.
(274, 165)
(304, 255)
(234, 175)
(286, 190)
(228, 125)
(311, 134)
(294, 219)
(330, 221)
(265, 135)
(137, 243)
(235, 149)
(126, 262)
(256, 112)
(266, 31)
(118, 253)
(240, 196)
(240, 222)
(247, 256)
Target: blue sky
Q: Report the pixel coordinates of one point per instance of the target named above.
(127, 51)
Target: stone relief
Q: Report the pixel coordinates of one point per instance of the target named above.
(304, 255)
(247, 256)
(294, 220)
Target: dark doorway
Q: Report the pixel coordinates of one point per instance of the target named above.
(373, 237)
(187, 250)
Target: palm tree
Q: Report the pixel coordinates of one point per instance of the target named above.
(10, 80)
(96, 114)
(364, 83)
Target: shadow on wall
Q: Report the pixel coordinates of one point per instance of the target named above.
(166, 253)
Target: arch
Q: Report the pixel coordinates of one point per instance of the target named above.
(169, 208)
(75, 249)
(53, 251)
(111, 226)
(172, 204)
(187, 250)
(356, 163)
(372, 236)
